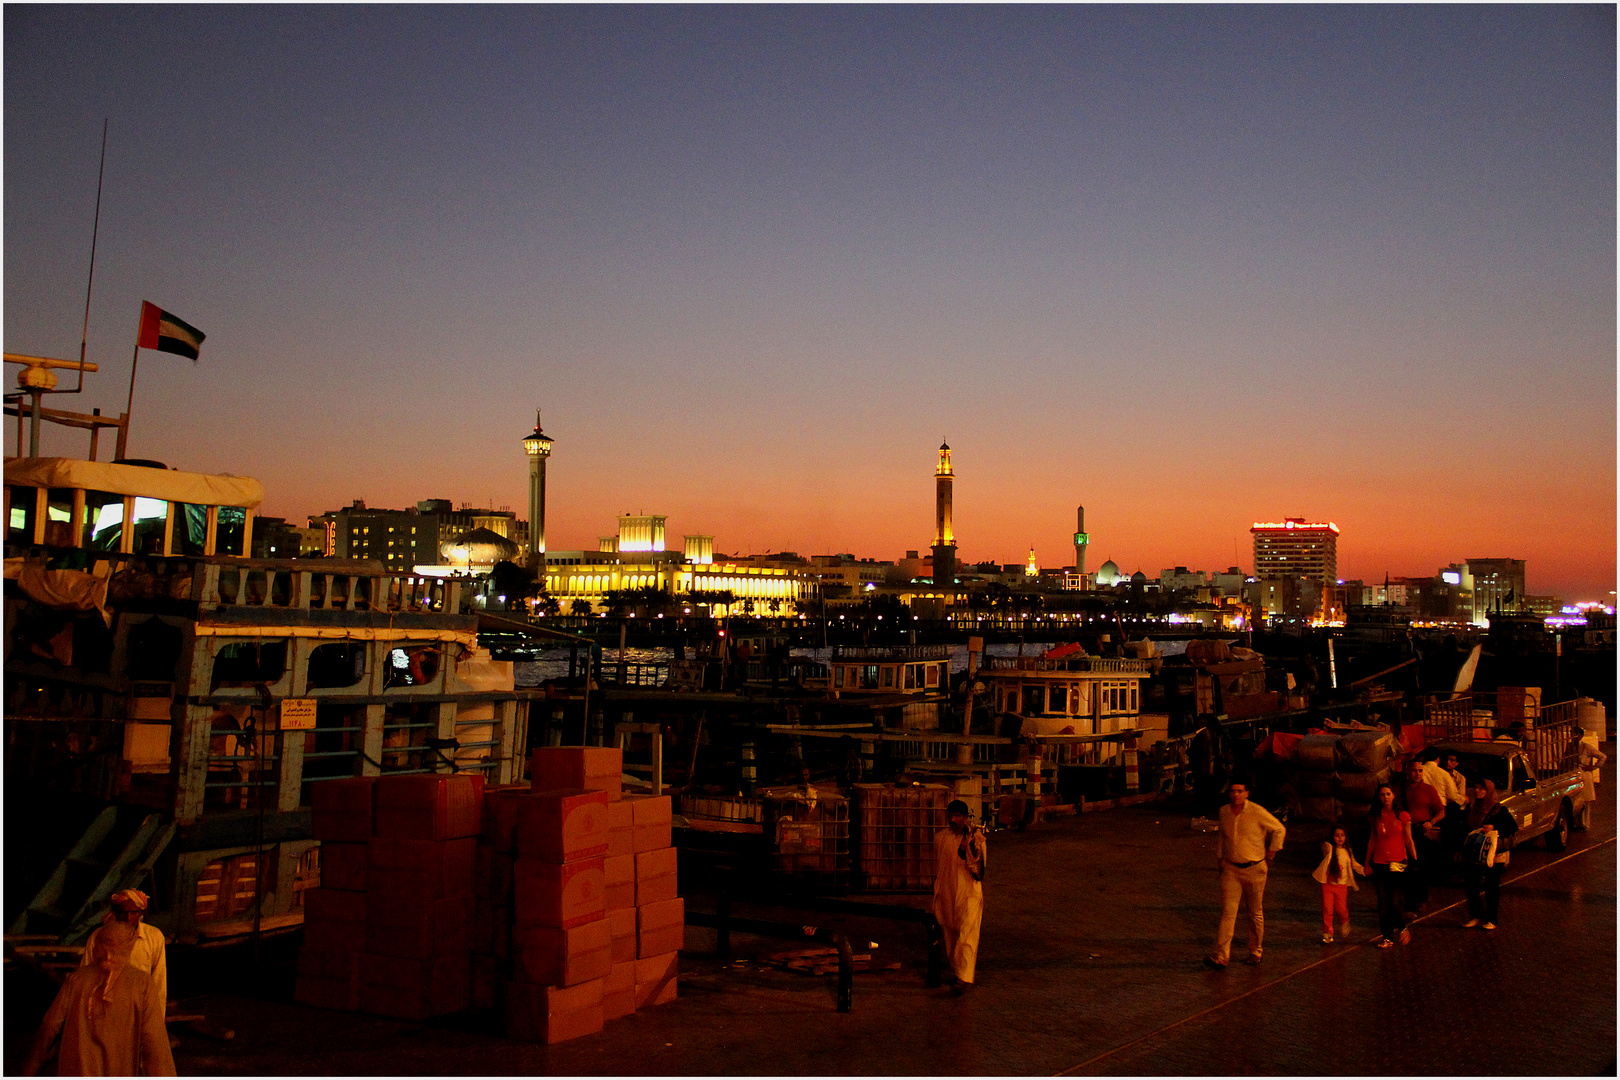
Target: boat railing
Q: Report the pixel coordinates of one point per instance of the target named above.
(878, 653)
(321, 585)
(1104, 665)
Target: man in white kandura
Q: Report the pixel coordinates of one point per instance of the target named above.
(1250, 838)
(128, 907)
(959, 853)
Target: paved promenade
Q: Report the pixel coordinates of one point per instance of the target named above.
(1090, 964)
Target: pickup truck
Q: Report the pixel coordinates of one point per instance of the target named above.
(1539, 782)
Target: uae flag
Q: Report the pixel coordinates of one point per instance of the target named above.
(165, 333)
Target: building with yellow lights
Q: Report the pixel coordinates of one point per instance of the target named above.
(635, 558)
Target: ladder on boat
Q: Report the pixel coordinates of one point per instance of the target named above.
(72, 901)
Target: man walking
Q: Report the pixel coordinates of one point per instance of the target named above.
(959, 853)
(1250, 838)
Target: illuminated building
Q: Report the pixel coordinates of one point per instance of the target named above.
(1498, 585)
(1032, 568)
(1297, 548)
(691, 579)
(538, 447)
(944, 538)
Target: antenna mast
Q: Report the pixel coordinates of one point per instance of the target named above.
(95, 231)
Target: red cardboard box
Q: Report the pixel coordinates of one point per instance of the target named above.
(422, 932)
(553, 957)
(549, 894)
(623, 924)
(619, 991)
(595, 768)
(435, 868)
(550, 1014)
(343, 866)
(655, 980)
(430, 807)
(325, 993)
(655, 876)
(651, 819)
(333, 905)
(500, 816)
(563, 826)
(621, 829)
(341, 966)
(485, 982)
(414, 989)
(660, 928)
(342, 809)
(336, 938)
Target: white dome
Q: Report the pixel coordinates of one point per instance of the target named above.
(1108, 573)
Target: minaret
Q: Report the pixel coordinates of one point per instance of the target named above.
(539, 449)
(1080, 541)
(1032, 568)
(944, 539)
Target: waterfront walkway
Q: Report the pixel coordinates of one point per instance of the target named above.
(1090, 964)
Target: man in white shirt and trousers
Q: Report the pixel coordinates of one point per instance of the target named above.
(1250, 838)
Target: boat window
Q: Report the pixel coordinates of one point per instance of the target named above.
(59, 517)
(933, 673)
(336, 664)
(1034, 700)
(248, 663)
(228, 533)
(888, 677)
(1134, 705)
(103, 521)
(1059, 696)
(190, 530)
(147, 525)
(1074, 699)
(911, 677)
(869, 678)
(20, 519)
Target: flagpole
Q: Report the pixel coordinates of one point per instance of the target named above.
(123, 429)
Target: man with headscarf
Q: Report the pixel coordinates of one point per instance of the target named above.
(108, 1015)
(959, 855)
(148, 954)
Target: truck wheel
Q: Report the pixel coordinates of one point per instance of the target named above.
(1558, 838)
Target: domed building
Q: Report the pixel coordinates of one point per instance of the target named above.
(1108, 575)
(479, 550)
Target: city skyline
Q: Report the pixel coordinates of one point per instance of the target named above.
(1191, 268)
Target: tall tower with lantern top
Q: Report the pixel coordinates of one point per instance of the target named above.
(538, 447)
(944, 538)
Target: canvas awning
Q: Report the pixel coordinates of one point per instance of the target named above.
(170, 485)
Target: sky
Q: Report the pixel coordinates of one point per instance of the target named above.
(1189, 267)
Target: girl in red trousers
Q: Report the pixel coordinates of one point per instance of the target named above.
(1338, 876)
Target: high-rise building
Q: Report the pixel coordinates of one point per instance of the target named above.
(1298, 548)
(944, 538)
(1498, 585)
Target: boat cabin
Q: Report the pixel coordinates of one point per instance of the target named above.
(1068, 693)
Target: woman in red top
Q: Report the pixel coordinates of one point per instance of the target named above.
(1389, 845)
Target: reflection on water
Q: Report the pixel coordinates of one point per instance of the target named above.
(553, 663)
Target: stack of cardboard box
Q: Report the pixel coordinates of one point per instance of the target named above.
(335, 913)
(402, 940)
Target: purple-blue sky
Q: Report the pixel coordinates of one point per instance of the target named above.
(1190, 267)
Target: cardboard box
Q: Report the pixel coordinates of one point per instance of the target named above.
(549, 894)
(324, 993)
(622, 923)
(553, 957)
(341, 966)
(337, 938)
(435, 868)
(343, 809)
(551, 1014)
(563, 826)
(432, 807)
(333, 905)
(619, 991)
(415, 989)
(651, 817)
(655, 980)
(500, 816)
(619, 882)
(594, 768)
(439, 933)
(655, 876)
(621, 829)
(660, 928)
(343, 866)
